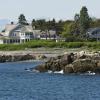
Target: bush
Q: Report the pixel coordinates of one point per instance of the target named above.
(50, 44)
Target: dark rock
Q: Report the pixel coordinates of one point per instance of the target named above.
(41, 68)
(53, 65)
(26, 57)
(23, 57)
(70, 63)
(2, 59)
(97, 70)
(84, 65)
(68, 69)
(42, 57)
(67, 59)
(12, 58)
(57, 63)
(59, 57)
(83, 57)
(5, 58)
(16, 58)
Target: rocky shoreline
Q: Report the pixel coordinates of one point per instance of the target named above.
(35, 54)
(80, 62)
(15, 58)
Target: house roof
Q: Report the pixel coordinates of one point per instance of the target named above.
(91, 30)
(51, 32)
(94, 33)
(17, 27)
(42, 33)
(27, 28)
(10, 27)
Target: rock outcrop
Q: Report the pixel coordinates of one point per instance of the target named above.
(14, 58)
(72, 63)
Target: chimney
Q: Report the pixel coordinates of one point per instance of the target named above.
(12, 23)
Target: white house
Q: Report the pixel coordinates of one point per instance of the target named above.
(16, 33)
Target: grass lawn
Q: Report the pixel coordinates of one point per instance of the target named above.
(49, 44)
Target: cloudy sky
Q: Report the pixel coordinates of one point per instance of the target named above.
(59, 9)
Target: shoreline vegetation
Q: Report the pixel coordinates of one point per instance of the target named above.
(49, 44)
(58, 60)
(76, 50)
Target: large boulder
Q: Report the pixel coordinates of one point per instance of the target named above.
(57, 63)
(40, 57)
(54, 65)
(84, 65)
(70, 63)
(68, 69)
(67, 59)
(97, 70)
(40, 68)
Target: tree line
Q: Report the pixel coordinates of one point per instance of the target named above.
(69, 29)
(42, 24)
(76, 30)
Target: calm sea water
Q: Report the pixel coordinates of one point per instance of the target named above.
(18, 84)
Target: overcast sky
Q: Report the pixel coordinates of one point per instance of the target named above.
(59, 9)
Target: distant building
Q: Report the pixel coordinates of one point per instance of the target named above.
(93, 33)
(45, 35)
(16, 33)
(48, 35)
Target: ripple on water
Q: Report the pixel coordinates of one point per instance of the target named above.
(18, 84)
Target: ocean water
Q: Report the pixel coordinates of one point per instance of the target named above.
(18, 84)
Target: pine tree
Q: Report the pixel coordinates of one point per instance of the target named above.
(84, 20)
(22, 20)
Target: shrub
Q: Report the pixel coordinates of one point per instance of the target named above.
(50, 44)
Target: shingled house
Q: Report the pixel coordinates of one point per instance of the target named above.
(16, 33)
(45, 35)
(93, 33)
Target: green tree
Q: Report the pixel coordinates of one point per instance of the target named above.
(22, 20)
(76, 17)
(52, 24)
(68, 29)
(33, 23)
(84, 20)
(76, 24)
(41, 24)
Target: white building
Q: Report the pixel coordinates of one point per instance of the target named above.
(16, 33)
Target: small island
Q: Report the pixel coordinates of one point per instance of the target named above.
(79, 62)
